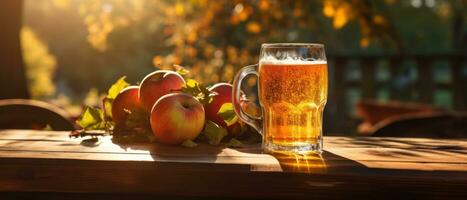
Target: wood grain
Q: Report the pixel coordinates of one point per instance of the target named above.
(51, 163)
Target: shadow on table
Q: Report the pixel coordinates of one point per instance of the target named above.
(207, 154)
(162, 154)
(170, 157)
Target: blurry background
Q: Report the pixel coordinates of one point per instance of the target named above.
(406, 50)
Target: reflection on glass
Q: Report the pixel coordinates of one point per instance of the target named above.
(304, 163)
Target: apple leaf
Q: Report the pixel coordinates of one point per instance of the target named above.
(189, 144)
(191, 87)
(228, 114)
(112, 93)
(192, 83)
(234, 143)
(214, 133)
(107, 107)
(198, 91)
(205, 91)
(117, 87)
(92, 118)
(181, 70)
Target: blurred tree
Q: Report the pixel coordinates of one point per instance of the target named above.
(96, 41)
(40, 65)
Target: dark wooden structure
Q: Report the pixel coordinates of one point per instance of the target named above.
(409, 77)
(33, 114)
(50, 165)
(12, 73)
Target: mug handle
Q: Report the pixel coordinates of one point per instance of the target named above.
(255, 122)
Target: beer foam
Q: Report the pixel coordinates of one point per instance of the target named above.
(292, 61)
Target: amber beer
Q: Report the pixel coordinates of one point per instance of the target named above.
(293, 96)
(292, 85)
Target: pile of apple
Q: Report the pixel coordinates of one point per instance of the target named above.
(174, 110)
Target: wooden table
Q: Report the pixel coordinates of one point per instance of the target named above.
(49, 164)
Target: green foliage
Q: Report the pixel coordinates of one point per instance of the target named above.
(92, 119)
(107, 107)
(234, 143)
(189, 144)
(112, 93)
(118, 86)
(228, 114)
(181, 70)
(214, 133)
(199, 91)
(101, 119)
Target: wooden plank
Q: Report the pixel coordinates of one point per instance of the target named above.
(413, 153)
(145, 178)
(204, 153)
(334, 141)
(34, 135)
(394, 142)
(357, 167)
(107, 151)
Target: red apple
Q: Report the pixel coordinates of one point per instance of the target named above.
(177, 117)
(127, 101)
(224, 95)
(157, 84)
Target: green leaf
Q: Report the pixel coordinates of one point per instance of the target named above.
(234, 143)
(189, 144)
(92, 118)
(228, 114)
(181, 70)
(117, 87)
(199, 91)
(107, 107)
(207, 96)
(191, 87)
(214, 133)
(191, 83)
(112, 93)
(205, 91)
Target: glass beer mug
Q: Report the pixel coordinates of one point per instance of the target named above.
(292, 87)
